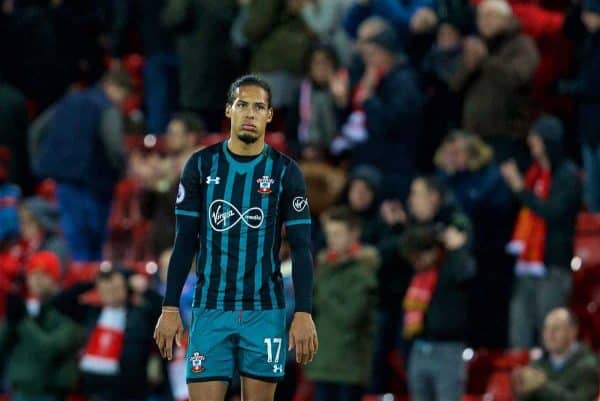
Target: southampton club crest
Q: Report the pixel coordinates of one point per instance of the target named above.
(264, 184)
(196, 360)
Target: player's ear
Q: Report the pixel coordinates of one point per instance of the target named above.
(269, 115)
(227, 110)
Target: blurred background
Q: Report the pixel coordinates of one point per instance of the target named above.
(451, 150)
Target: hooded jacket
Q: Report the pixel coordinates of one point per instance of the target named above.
(561, 208)
(344, 309)
(371, 222)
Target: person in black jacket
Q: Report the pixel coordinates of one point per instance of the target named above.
(435, 310)
(430, 204)
(385, 110)
(550, 195)
(114, 361)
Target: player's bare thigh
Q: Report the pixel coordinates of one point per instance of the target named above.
(207, 391)
(257, 390)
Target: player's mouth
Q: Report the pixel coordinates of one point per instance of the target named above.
(249, 127)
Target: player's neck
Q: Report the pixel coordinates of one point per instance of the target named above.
(240, 148)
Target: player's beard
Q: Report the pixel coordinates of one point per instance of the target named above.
(247, 138)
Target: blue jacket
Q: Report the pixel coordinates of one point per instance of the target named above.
(398, 13)
(72, 149)
(486, 199)
(393, 117)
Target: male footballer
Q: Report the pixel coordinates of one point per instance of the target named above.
(233, 199)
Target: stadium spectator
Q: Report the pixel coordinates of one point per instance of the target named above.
(281, 38)
(324, 18)
(466, 167)
(79, 143)
(13, 136)
(568, 370)
(430, 202)
(496, 77)
(585, 90)
(40, 229)
(393, 278)
(435, 311)
(160, 58)
(201, 29)
(363, 197)
(344, 302)
(543, 234)
(39, 343)
(313, 117)
(443, 107)
(414, 16)
(159, 177)
(114, 362)
(385, 113)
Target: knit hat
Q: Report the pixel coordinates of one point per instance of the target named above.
(46, 262)
(386, 39)
(552, 131)
(591, 5)
(369, 174)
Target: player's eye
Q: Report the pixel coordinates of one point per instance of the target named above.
(242, 105)
(260, 107)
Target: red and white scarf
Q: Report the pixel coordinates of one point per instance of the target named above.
(529, 236)
(103, 350)
(417, 299)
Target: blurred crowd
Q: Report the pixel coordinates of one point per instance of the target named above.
(451, 150)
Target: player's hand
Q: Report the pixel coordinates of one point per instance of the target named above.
(303, 337)
(168, 328)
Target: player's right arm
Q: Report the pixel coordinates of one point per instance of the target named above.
(187, 219)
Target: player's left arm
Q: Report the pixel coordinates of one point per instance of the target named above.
(296, 219)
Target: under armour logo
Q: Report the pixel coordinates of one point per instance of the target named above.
(277, 368)
(210, 180)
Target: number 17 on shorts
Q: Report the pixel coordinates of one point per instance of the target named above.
(274, 353)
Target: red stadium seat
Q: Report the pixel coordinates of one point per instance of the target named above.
(128, 229)
(587, 239)
(499, 387)
(479, 370)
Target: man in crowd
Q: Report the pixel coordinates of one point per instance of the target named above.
(543, 235)
(435, 311)
(79, 143)
(385, 119)
(495, 76)
(568, 371)
(38, 341)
